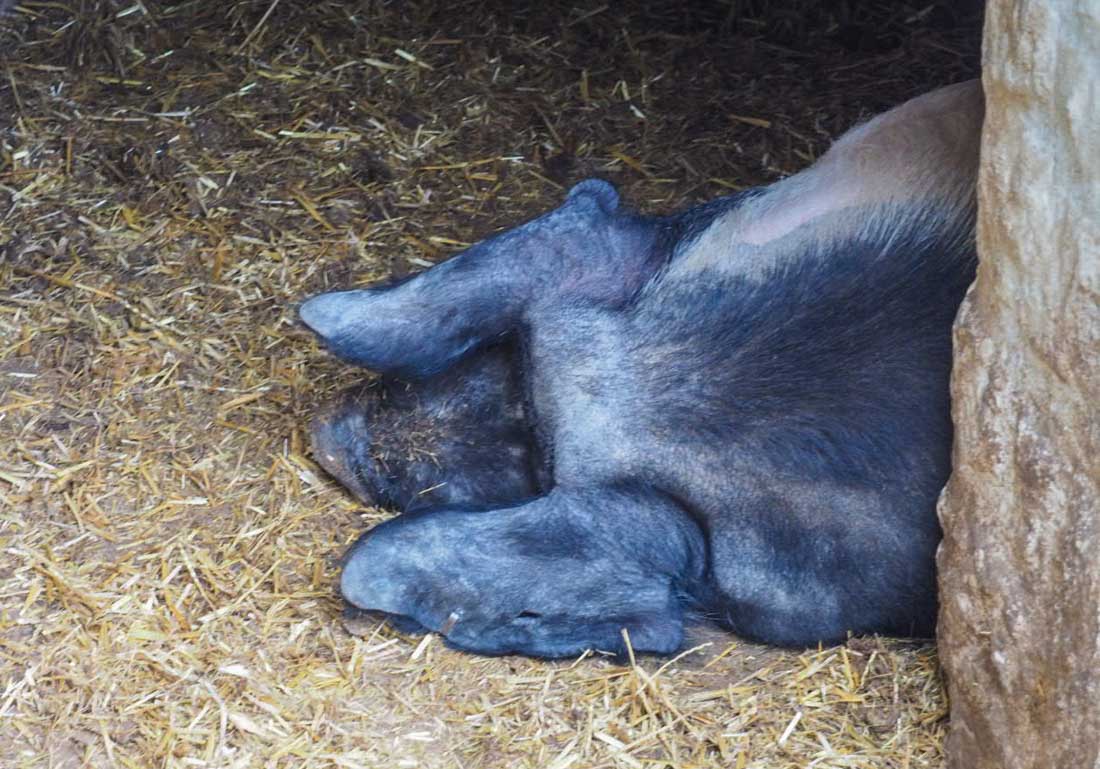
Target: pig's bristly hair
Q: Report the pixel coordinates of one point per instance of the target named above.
(832, 331)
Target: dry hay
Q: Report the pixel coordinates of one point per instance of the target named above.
(173, 178)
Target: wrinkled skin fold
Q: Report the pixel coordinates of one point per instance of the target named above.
(600, 422)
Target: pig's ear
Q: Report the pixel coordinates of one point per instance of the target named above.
(596, 193)
(329, 315)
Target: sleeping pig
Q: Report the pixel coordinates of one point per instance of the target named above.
(600, 421)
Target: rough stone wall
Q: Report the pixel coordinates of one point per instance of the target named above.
(1020, 563)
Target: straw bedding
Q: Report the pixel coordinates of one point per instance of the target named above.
(174, 177)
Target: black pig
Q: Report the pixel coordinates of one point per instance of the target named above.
(619, 421)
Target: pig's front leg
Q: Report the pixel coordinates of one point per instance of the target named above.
(550, 577)
(460, 437)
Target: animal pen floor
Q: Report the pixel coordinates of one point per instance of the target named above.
(174, 177)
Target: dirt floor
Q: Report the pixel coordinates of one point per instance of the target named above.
(174, 177)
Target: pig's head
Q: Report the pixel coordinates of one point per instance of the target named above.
(586, 249)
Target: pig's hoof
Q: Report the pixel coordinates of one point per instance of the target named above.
(342, 441)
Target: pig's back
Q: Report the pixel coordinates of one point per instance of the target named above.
(833, 361)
